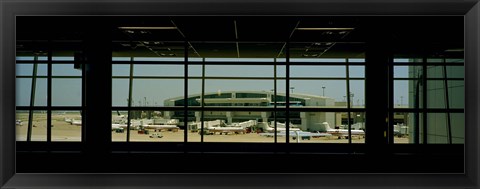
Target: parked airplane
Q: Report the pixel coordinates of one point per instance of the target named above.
(280, 127)
(342, 132)
(76, 122)
(161, 127)
(304, 135)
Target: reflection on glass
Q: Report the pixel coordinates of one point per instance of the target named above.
(436, 94)
(452, 72)
(440, 125)
(407, 71)
(66, 126)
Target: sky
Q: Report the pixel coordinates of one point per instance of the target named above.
(67, 92)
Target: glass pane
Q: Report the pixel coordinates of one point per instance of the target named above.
(41, 92)
(357, 71)
(452, 72)
(23, 69)
(334, 90)
(120, 70)
(65, 70)
(357, 93)
(23, 87)
(407, 71)
(238, 92)
(318, 71)
(119, 126)
(158, 70)
(407, 60)
(326, 127)
(439, 127)
(66, 92)
(153, 126)
(403, 127)
(194, 71)
(194, 92)
(456, 94)
(148, 92)
(236, 126)
(39, 125)
(27, 69)
(238, 71)
(436, 94)
(21, 125)
(457, 122)
(120, 92)
(66, 126)
(406, 94)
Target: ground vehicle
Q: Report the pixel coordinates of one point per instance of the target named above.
(156, 135)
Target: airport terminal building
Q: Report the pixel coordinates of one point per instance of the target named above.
(309, 121)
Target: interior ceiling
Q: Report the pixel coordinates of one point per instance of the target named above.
(245, 36)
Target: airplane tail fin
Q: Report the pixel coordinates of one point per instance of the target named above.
(326, 126)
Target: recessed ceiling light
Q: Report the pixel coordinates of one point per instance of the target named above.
(323, 29)
(148, 28)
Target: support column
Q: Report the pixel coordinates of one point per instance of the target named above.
(198, 116)
(265, 116)
(377, 58)
(229, 117)
(98, 87)
(303, 117)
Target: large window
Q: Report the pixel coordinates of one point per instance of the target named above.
(242, 84)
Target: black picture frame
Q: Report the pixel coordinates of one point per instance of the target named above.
(9, 9)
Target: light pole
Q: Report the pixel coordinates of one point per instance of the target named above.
(323, 90)
(292, 89)
(351, 95)
(401, 100)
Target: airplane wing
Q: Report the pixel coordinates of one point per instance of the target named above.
(294, 134)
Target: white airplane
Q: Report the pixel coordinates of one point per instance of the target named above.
(297, 135)
(268, 128)
(118, 126)
(160, 126)
(342, 132)
(18, 122)
(76, 122)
